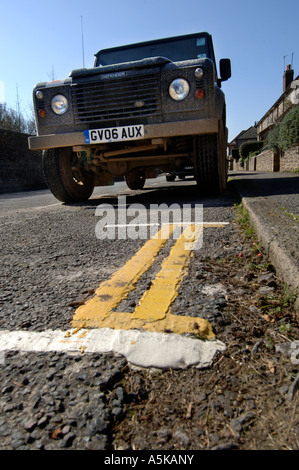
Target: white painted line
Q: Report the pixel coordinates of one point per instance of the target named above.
(141, 348)
(179, 224)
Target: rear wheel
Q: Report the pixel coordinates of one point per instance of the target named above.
(67, 183)
(135, 179)
(170, 178)
(210, 162)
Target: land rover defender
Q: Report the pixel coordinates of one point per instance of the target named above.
(156, 105)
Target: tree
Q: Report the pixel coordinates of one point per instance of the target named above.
(14, 120)
(285, 134)
(51, 74)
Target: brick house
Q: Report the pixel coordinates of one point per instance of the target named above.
(288, 99)
(249, 135)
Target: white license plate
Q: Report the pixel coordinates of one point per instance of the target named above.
(114, 134)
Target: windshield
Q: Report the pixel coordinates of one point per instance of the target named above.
(176, 49)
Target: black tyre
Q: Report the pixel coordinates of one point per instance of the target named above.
(170, 178)
(210, 162)
(135, 179)
(64, 183)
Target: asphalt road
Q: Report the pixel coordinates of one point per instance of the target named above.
(55, 254)
(63, 278)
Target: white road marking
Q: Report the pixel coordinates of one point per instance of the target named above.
(179, 224)
(141, 348)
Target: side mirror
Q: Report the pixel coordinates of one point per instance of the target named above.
(225, 69)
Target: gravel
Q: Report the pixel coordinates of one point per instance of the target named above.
(59, 401)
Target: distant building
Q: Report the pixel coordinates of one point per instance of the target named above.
(249, 135)
(288, 99)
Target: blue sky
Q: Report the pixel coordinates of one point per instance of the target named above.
(39, 37)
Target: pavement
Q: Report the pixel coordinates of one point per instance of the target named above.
(272, 201)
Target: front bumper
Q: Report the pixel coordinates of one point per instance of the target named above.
(151, 131)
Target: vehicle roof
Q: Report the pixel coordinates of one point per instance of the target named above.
(154, 41)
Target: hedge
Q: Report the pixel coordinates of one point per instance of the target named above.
(285, 134)
(248, 147)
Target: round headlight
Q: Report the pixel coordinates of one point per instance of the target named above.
(39, 94)
(198, 73)
(59, 104)
(179, 89)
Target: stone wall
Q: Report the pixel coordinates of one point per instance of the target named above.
(262, 162)
(20, 168)
(290, 160)
(268, 161)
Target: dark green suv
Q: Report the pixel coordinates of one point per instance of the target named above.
(151, 106)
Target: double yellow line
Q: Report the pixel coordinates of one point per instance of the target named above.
(153, 311)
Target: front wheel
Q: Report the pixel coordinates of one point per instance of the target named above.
(63, 178)
(210, 162)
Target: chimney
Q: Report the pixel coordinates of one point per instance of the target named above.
(288, 77)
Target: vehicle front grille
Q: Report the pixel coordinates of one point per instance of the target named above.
(116, 100)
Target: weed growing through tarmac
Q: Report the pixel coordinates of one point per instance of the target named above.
(290, 214)
(273, 305)
(243, 220)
